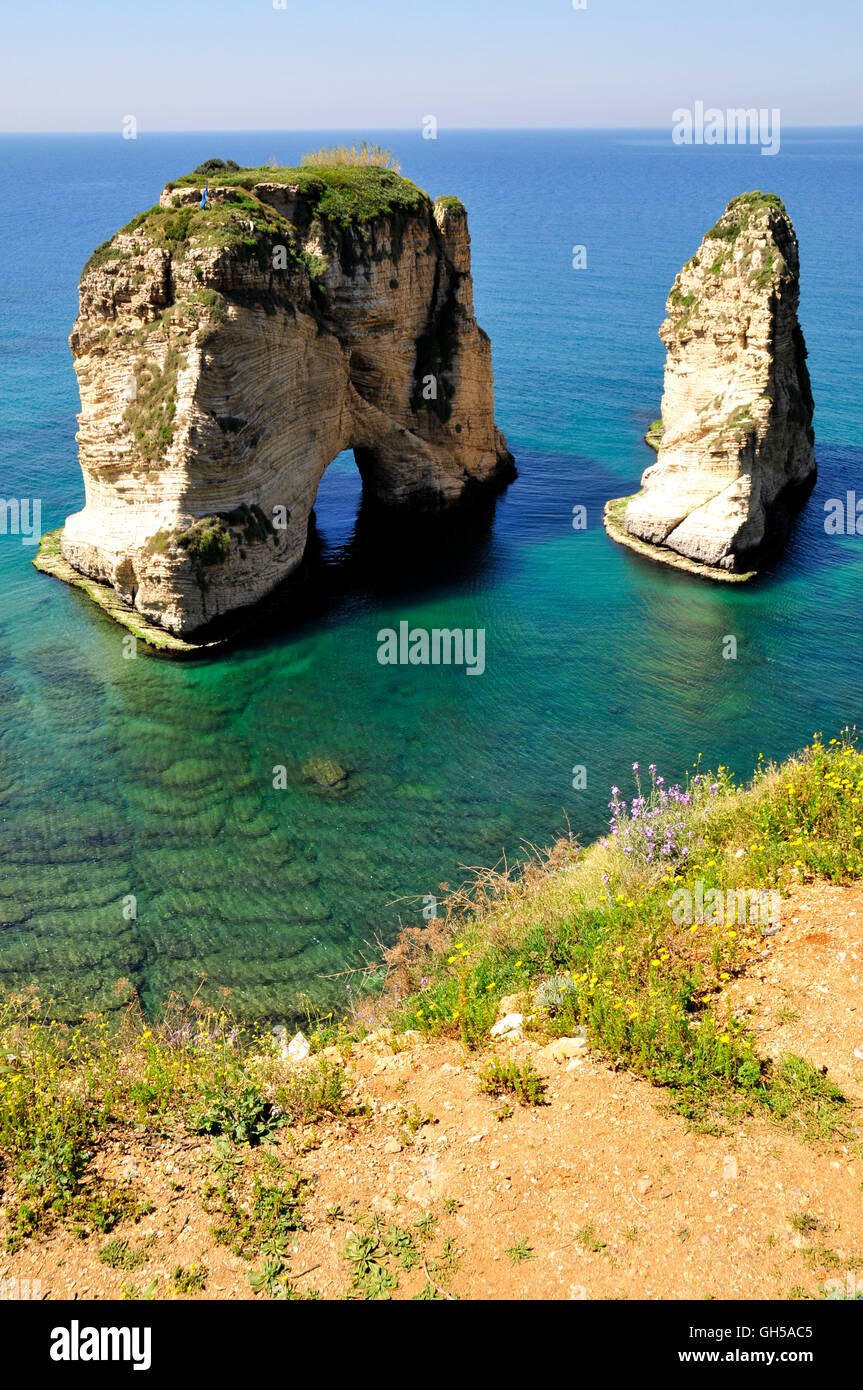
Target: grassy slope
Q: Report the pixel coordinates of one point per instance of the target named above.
(343, 195)
(649, 993)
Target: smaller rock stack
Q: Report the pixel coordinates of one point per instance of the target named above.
(735, 456)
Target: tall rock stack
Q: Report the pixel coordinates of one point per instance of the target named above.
(226, 354)
(735, 457)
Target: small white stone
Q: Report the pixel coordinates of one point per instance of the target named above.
(297, 1049)
(510, 1023)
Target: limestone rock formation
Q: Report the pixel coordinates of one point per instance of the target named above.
(735, 445)
(226, 354)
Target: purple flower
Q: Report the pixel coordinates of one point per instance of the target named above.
(635, 767)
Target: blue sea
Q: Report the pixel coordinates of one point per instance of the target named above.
(144, 845)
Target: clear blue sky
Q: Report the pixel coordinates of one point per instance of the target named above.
(74, 65)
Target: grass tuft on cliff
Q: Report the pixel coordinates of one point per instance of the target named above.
(358, 156)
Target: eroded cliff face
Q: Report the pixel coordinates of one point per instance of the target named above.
(225, 355)
(735, 456)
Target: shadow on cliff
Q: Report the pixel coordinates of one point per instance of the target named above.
(810, 549)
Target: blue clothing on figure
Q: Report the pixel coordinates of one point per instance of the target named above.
(204, 194)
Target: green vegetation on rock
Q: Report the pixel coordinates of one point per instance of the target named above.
(738, 215)
(236, 222)
(340, 193)
(653, 436)
(151, 414)
(207, 541)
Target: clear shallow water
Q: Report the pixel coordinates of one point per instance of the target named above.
(155, 779)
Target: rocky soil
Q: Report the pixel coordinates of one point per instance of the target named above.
(603, 1192)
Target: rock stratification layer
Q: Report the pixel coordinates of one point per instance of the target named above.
(226, 354)
(735, 453)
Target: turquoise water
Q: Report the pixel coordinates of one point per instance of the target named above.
(154, 779)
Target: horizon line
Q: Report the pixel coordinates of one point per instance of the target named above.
(395, 130)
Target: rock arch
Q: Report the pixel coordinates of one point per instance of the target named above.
(216, 388)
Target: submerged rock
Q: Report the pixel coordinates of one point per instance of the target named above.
(226, 354)
(735, 454)
(326, 773)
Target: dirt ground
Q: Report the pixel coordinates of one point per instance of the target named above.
(603, 1192)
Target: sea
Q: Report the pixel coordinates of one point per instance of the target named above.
(148, 846)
